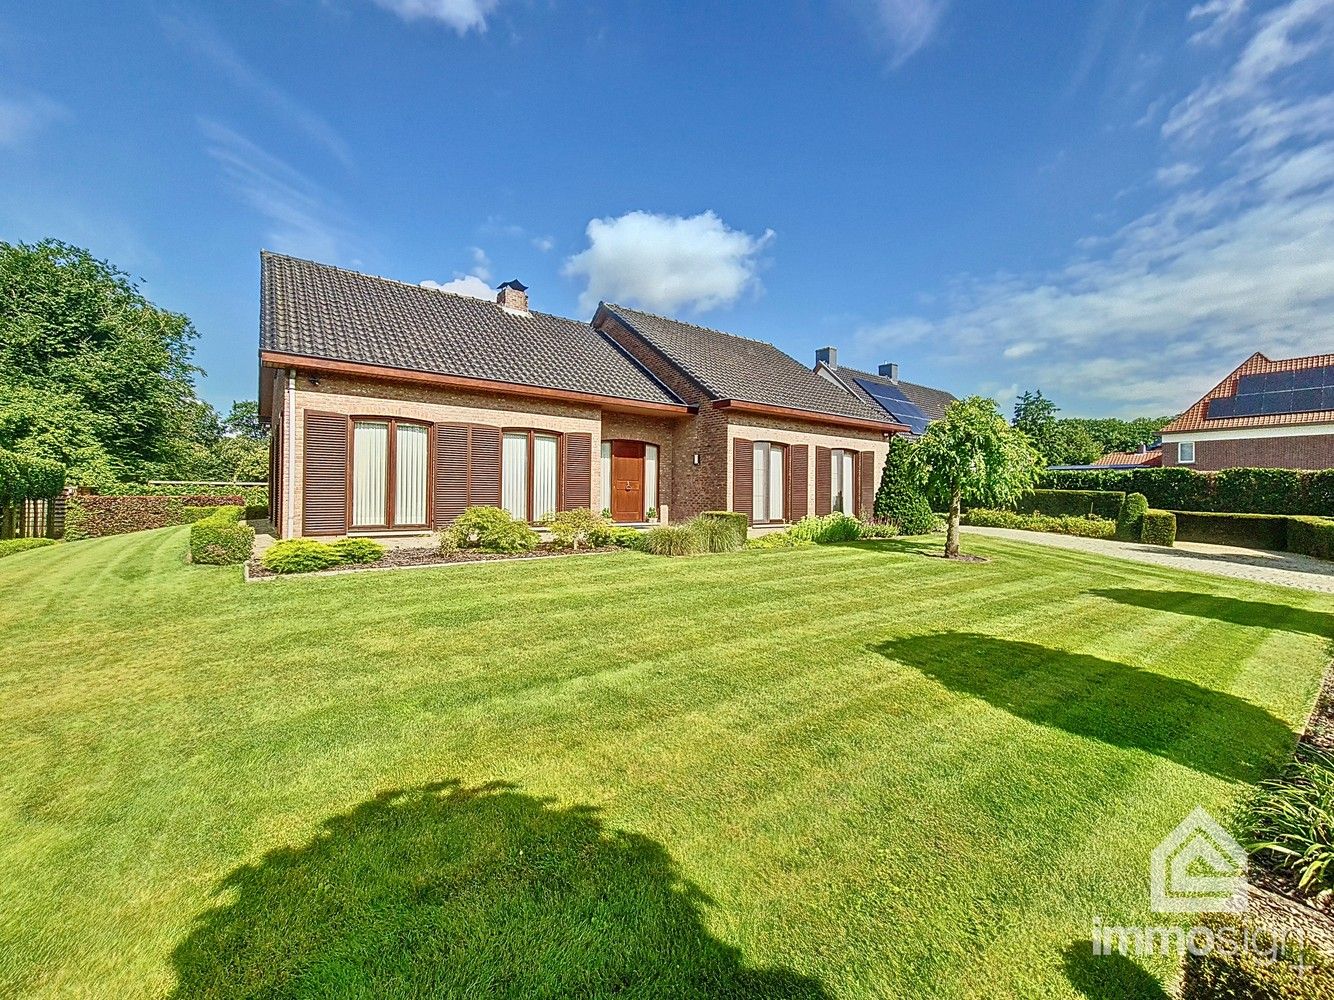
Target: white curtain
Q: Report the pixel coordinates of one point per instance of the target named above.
(370, 450)
(650, 477)
(759, 481)
(514, 476)
(843, 481)
(775, 482)
(410, 474)
(606, 475)
(544, 476)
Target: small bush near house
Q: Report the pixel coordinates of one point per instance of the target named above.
(673, 540)
(256, 511)
(778, 540)
(618, 535)
(1160, 528)
(1291, 821)
(899, 498)
(574, 528)
(12, 545)
(1311, 536)
(190, 514)
(221, 538)
(886, 528)
(1082, 527)
(357, 551)
(720, 530)
(828, 529)
(1251, 531)
(493, 530)
(298, 555)
(1256, 966)
(1072, 503)
(98, 516)
(1130, 519)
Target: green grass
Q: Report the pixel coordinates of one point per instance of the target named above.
(845, 771)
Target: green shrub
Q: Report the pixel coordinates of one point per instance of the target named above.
(1252, 531)
(221, 538)
(1257, 491)
(1256, 966)
(357, 551)
(881, 529)
(1291, 820)
(899, 498)
(673, 540)
(1160, 528)
(98, 516)
(493, 530)
(256, 511)
(1318, 493)
(242, 496)
(1311, 536)
(1232, 491)
(720, 531)
(1082, 527)
(1072, 503)
(189, 514)
(618, 535)
(298, 555)
(828, 529)
(13, 545)
(778, 540)
(573, 528)
(1130, 519)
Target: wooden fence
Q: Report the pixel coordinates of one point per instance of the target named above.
(33, 519)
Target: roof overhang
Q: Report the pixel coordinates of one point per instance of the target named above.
(384, 373)
(810, 416)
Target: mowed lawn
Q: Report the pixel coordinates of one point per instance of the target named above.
(848, 771)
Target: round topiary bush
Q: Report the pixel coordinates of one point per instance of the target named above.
(299, 555)
(357, 551)
(1130, 521)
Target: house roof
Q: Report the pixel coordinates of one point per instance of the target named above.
(1196, 417)
(320, 311)
(932, 402)
(727, 366)
(1131, 459)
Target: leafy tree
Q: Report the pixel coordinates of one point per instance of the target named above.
(899, 498)
(1071, 444)
(242, 421)
(1112, 434)
(116, 367)
(1035, 415)
(972, 456)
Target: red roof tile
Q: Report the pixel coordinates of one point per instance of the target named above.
(1145, 459)
(1257, 364)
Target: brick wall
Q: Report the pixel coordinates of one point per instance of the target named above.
(652, 430)
(1306, 451)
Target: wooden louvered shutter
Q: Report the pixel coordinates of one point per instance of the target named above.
(865, 483)
(577, 474)
(484, 467)
(798, 482)
(451, 472)
(823, 466)
(324, 474)
(743, 477)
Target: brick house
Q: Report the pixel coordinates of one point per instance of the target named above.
(1266, 414)
(394, 407)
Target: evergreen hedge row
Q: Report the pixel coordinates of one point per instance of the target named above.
(1234, 491)
(1072, 503)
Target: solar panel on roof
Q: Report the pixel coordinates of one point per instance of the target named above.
(1274, 393)
(896, 404)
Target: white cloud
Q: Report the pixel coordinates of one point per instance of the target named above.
(1175, 174)
(21, 117)
(464, 284)
(1145, 319)
(301, 217)
(1222, 17)
(903, 26)
(481, 263)
(667, 262)
(461, 15)
(543, 244)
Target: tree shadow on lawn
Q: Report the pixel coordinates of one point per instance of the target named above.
(1109, 977)
(1206, 730)
(448, 891)
(1225, 609)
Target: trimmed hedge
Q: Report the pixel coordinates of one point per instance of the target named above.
(299, 555)
(12, 545)
(23, 478)
(1160, 528)
(1130, 519)
(1231, 491)
(192, 493)
(1249, 531)
(1311, 536)
(98, 516)
(1252, 966)
(221, 538)
(1072, 503)
(1082, 527)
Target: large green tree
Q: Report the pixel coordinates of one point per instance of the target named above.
(92, 373)
(971, 455)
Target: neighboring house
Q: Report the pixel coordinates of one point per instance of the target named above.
(906, 402)
(1145, 458)
(1266, 414)
(396, 407)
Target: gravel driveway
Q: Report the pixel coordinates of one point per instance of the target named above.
(1283, 568)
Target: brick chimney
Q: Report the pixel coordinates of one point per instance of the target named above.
(513, 295)
(889, 370)
(828, 356)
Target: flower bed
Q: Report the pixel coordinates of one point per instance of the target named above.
(430, 556)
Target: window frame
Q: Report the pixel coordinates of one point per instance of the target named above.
(535, 432)
(390, 472)
(836, 456)
(755, 487)
(1186, 461)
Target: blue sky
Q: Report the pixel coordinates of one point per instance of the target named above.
(1114, 201)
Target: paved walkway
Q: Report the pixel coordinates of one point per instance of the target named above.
(1283, 568)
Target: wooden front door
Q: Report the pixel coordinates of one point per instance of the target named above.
(627, 481)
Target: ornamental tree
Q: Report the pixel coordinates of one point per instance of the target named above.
(971, 455)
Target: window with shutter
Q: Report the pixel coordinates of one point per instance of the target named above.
(798, 457)
(577, 481)
(324, 474)
(865, 483)
(743, 477)
(484, 468)
(451, 472)
(823, 485)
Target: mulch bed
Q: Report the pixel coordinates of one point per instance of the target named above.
(962, 557)
(423, 556)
